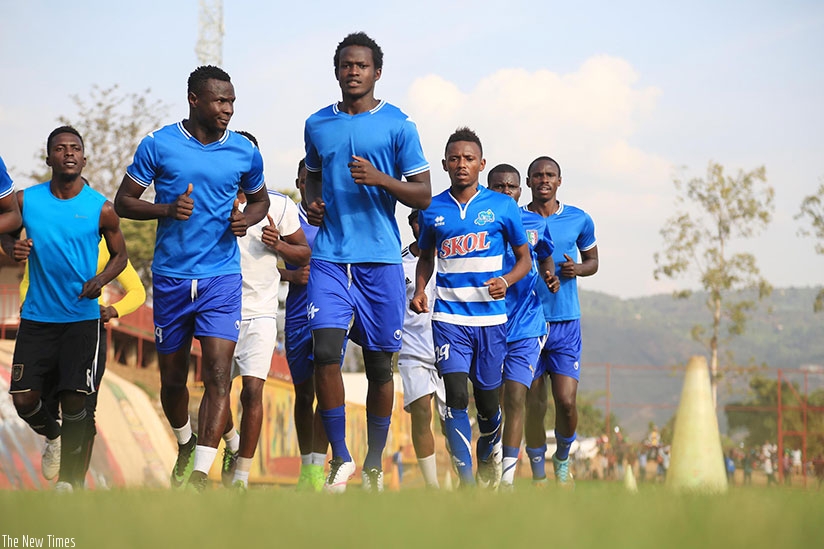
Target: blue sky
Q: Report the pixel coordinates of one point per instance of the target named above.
(622, 94)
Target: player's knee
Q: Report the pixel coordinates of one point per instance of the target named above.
(487, 402)
(327, 345)
(378, 366)
(565, 405)
(421, 412)
(252, 393)
(457, 393)
(25, 403)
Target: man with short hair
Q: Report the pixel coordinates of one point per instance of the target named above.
(526, 328)
(572, 231)
(357, 151)
(197, 166)
(469, 227)
(57, 341)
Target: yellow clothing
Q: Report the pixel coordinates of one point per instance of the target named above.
(135, 293)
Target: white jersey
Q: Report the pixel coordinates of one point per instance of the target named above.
(259, 264)
(417, 344)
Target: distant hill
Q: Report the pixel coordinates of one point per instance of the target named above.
(782, 332)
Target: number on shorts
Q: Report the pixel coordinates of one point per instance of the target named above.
(442, 353)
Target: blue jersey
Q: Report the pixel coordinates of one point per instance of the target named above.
(572, 230)
(470, 240)
(171, 158)
(65, 236)
(296, 299)
(6, 183)
(359, 225)
(524, 311)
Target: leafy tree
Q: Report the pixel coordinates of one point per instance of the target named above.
(112, 123)
(813, 207)
(711, 213)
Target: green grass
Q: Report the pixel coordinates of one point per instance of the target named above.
(595, 515)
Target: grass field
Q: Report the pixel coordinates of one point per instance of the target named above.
(595, 515)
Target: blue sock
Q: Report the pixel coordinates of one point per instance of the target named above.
(377, 428)
(537, 460)
(459, 435)
(490, 434)
(334, 422)
(562, 452)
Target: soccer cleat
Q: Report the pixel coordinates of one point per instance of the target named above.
(562, 475)
(507, 487)
(198, 481)
(50, 463)
(240, 487)
(539, 483)
(372, 479)
(311, 478)
(184, 464)
(339, 474)
(490, 470)
(63, 487)
(227, 470)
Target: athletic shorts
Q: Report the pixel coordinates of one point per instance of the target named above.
(420, 380)
(521, 362)
(475, 350)
(299, 352)
(51, 396)
(367, 299)
(562, 350)
(52, 355)
(255, 345)
(206, 307)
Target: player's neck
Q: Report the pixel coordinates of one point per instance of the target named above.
(464, 194)
(545, 209)
(357, 105)
(204, 135)
(66, 187)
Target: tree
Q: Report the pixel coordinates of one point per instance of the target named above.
(112, 124)
(813, 207)
(711, 213)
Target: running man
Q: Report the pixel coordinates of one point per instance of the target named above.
(57, 341)
(416, 365)
(308, 425)
(197, 166)
(279, 235)
(572, 231)
(470, 227)
(526, 328)
(357, 151)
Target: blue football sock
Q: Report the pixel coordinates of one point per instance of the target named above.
(564, 443)
(334, 422)
(377, 428)
(490, 434)
(459, 435)
(537, 460)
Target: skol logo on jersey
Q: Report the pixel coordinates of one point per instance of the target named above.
(485, 217)
(463, 244)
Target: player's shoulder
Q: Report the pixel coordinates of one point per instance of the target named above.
(168, 131)
(573, 212)
(324, 112)
(279, 200)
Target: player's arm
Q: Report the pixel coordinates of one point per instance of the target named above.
(547, 270)
(423, 272)
(133, 298)
(316, 208)
(116, 245)
(415, 192)
(128, 204)
(257, 206)
(523, 263)
(10, 218)
(292, 248)
(587, 267)
(295, 276)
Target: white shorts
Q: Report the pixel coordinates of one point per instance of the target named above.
(420, 380)
(255, 345)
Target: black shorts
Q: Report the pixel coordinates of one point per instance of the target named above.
(61, 355)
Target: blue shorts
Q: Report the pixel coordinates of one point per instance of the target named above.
(521, 362)
(369, 297)
(475, 350)
(562, 350)
(206, 307)
(299, 352)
